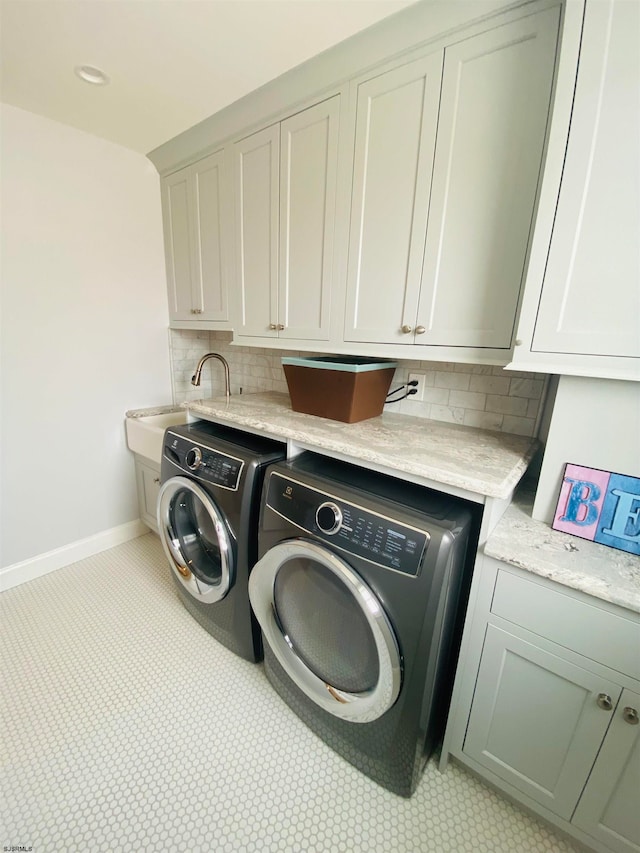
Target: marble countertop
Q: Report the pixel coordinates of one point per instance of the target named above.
(532, 545)
(152, 410)
(478, 461)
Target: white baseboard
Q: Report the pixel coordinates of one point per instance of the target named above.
(35, 567)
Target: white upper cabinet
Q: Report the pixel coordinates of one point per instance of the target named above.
(496, 92)
(308, 174)
(285, 186)
(193, 202)
(447, 162)
(396, 121)
(435, 202)
(257, 205)
(583, 317)
(177, 219)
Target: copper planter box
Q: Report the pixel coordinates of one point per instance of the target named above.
(340, 388)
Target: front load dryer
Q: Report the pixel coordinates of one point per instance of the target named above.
(357, 590)
(207, 519)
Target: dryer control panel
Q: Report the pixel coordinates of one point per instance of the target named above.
(202, 462)
(347, 526)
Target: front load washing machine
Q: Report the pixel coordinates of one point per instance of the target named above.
(207, 519)
(358, 589)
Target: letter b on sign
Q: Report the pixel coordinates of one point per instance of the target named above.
(582, 504)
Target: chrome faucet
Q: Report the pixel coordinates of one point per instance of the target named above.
(195, 379)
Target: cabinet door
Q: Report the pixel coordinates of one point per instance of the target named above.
(257, 205)
(148, 482)
(208, 292)
(609, 808)
(308, 165)
(192, 213)
(496, 93)
(396, 119)
(590, 300)
(535, 720)
(177, 219)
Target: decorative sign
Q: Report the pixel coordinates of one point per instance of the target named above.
(600, 506)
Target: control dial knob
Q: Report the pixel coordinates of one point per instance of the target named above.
(193, 458)
(329, 517)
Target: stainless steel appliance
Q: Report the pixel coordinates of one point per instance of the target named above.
(207, 518)
(358, 590)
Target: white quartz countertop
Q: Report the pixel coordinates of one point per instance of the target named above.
(152, 410)
(577, 563)
(475, 460)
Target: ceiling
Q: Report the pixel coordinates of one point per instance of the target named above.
(171, 63)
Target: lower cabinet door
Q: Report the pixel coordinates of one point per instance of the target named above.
(609, 808)
(148, 482)
(537, 720)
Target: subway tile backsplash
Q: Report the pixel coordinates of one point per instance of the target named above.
(473, 395)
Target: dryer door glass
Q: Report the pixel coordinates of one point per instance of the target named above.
(326, 625)
(327, 629)
(196, 539)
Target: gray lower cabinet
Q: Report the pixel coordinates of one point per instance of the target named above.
(546, 705)
(148, 483)
(610, 804)
(537, 720)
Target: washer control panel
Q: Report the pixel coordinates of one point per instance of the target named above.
(204, 463)
(347, 526)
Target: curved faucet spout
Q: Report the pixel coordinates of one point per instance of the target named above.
(195, 379)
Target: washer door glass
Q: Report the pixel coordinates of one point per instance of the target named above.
(327, 629)
(195, 539)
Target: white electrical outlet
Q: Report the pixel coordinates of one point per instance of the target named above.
(419, 378)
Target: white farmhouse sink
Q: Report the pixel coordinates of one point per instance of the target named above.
(144, 434)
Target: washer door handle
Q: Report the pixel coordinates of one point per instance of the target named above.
(333, 692)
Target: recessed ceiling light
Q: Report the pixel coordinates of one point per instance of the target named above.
(90, 74)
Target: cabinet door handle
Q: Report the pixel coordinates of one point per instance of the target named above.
(406, 330)
(630, 716)
(604, 701)
(196, 310)
(420, 330)
(279, 327)
(272, 327)
(156, 479)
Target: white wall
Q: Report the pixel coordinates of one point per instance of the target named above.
(83, 330)
(595, 423)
